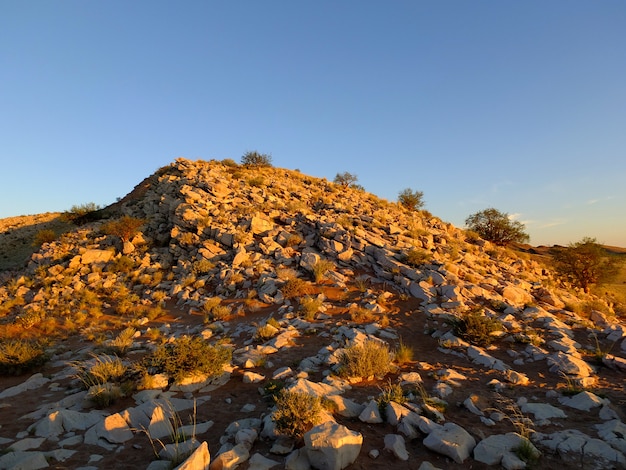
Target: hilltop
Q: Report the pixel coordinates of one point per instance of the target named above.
(291, 274)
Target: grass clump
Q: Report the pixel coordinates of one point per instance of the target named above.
(104, 378)
(372, 358)
(390, 393)
(295, 287)
(417, 257)
(296, 413)
(321, 268)
(265, 332)
(188, 355)
(126, 227)
(18, 356)
(44, 236)
(476, 328)
(404, 353)
(309, 306)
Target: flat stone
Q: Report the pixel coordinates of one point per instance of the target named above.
(198, 460)
(331, 446)
(583, 401)
(23, 460)
(394, 443)
(452, 441)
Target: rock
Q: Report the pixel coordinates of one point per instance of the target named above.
(27, 444)
(198, 460)
(231, 458)
(543, 411)
(583, 401)
(252, 377)
(160, 425)
(259, 462)
(582, 449)
(567, 364)
(614, 433)
(179, 450)
(493, 449)
(428, 466)
(452, 441)
(331, 446)
(33, 382)
(346, 407)
(395, 412)
(115, 429)
(23, 461)
(298, 460)
(96, 256)
(394, 443)
(371, 413)
(517, 296)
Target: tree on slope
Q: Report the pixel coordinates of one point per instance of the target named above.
(346, 179)
(585, 263)
(497, 227)
(412, 200)
(255, 158)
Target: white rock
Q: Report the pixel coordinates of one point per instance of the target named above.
(371, 413)
(231, 458)
(23, 461)
(492, 449)
(452, 441)
(583, 401)
(198, 460)
(252, 377)
(298, 460)
(33, 382)
(543, 411)
(331, 446)
(394, 443)
(259, 462)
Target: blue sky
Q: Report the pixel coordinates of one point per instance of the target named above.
(519, 106)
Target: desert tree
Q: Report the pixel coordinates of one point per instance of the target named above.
(585, 263)
(412, 200)
(497, 227)
(254, 158)
(346, 179)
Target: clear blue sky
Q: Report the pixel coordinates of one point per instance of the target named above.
(519, 106)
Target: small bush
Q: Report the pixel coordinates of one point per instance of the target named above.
(81, 214)
(310, 306)
(416, 257)
(390, 393)
(265, 332)
(229, 162)
(370, 359)
(44, 236)
(126, 227)
(296, 413)
(123, 341)
(123, 264)
(202, 267)
(187, 355)
(411, 200)
(18, 356)
(295, 287)
(257, 182)
(476, 328)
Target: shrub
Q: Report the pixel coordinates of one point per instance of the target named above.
(390, 393)
(81, 214)
(202, 267)
(310, 306)
(416, 257)
(372, 358)
(295, 287)
(476, 328)
(44, 236)
(229, 162)
(126, 227)
(411, 200)
(257, 182)
(18, 356)
(257, 159)
(296, 413)
(122, 264)
(123, 341)
(321, 268)
(187, 355)
(265, 332)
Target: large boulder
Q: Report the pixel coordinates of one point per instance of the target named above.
(331, 446)
(499, 448)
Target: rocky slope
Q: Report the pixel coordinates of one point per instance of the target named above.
(215, 234)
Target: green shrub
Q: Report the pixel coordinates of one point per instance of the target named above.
(265, 332)
(390, 393)
(81, 214)
(310, 306)
(296, 413)
(18, 356)
(411, 200)
(230, 163)
(126, 227)
(370, 359)
(476, 328)
(187, 355)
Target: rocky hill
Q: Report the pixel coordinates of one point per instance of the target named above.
(487, 360)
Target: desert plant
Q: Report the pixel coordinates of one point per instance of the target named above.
(295, 287)
(256, 159)
(80, 214)
(44, 236)
(296, 412)
(126, 227)
(187, 355)
(417, 257)
(229, 162)
(497, 227)
(585, 263)
(265, 332)
(321, 268)
(123, 341)
(18, 356)
(476, 327)
(346, 179)
(202, 267)
(372, 358)
(361, 315)
(257, 182)
(404, 353)
(411, 200)
(310, 306)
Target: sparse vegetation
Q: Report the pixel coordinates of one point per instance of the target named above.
(417, 257)
(404, 353)
(321, 268)
(80, 214)
(296, 413)
(411, 200)
(44, 236)
(126, 227)
(475, 327)
(346, 179)
(18, 356)
(310, 306)
(295, 287)
(188, 355)
(373, 358)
